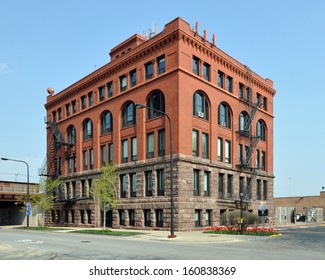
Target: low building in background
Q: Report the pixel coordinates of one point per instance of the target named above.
(300, 208)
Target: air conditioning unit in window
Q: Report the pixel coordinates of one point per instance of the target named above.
(223, 123)
(200, 114)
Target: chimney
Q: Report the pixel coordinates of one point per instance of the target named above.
(206, 37)
(214, 40)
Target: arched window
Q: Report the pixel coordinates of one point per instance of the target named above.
(243, 120)
(200, 105)
(106, 122)
(224, 115)
(156, 100)
(87, 129)
(261, 130)
(128, 114)
(71, 135)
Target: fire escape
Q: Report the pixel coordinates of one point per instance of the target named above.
(50, 165)
(246, 136)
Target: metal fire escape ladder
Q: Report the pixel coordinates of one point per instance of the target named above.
(48, 168)
(253, 140)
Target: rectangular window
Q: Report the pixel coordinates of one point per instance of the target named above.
(148, 175)
(83, 188)
(265, 197)
(91, 158)
(147, 217)
(160, 182)
(264, 104)
(121, 215)
(196, 65)
(195, 143)
(110, 153)
(221, 76)
(161, 65)
(89, 215)
(90, 99)
(74, 163)
(131, 217)
(67, 110)
(103, 155)
(74, 189)
(125, 151)
(206, 71)
(133, 77)
(150, 145)
(90, 184)
(258, 190)
(54, 116)
(59, 114)
(206, 183)
(197, 218)
(85, 160)
(248, 94)
(229, 186)
(247, 160)
(101, 91)
(110, 89)
(133, 184)
(123, 186)
(241, 185)
(159, 218)
(227, 151)
(241, 90)
(208, 218)
(83, 102)
(82, 216)
(229, 83)
(74, 106)
(205, 145)
(123, 83)
(240, 154)
(220, 149)
(258, 159)
(221, 185)
(134, 149)
(161, 142)
(70, 163)
(148, 70)
(196, 182)
(263, 161)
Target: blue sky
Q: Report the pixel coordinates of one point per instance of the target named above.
(55, 43)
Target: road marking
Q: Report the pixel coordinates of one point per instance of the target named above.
(29, 241)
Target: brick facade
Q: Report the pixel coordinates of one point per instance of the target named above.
(200, 88)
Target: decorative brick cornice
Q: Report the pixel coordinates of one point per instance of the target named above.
(212, 52)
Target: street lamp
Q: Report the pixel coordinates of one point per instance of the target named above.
(27, 203)
(141, 106)
(241, 195)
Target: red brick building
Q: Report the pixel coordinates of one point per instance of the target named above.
(222, 133)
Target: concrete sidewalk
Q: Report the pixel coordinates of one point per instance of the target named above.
(191, 236)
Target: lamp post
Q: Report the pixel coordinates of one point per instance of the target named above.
(241, 195)
(141, 106)
(27, 202)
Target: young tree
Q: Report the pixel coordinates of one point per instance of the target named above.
(104, 190)
(45, 199)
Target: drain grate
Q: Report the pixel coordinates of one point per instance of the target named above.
(85, 241)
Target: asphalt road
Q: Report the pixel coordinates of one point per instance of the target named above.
(293, 244)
